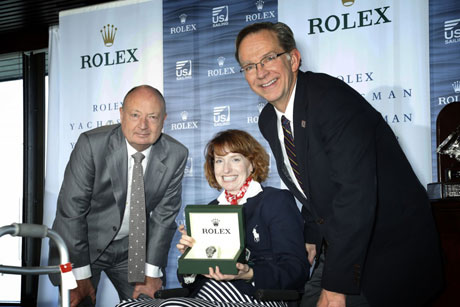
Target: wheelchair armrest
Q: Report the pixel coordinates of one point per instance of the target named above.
(168, 293)
(276, 295)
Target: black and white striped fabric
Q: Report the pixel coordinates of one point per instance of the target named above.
(212, 294)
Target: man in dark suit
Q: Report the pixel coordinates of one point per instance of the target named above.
(93, 212)
(368, 220)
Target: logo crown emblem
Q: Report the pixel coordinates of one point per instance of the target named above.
(260, 106)
(215, 222)
(184, 115)
(183, 18)
(108, 35)
(456, 86)
(260, 5)
(221, 61)
(348, 2)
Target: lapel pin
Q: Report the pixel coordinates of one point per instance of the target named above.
(303, 124)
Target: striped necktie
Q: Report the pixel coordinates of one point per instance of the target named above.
(290, 148)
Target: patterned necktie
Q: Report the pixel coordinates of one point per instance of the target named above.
(290, 148)
(137, 227)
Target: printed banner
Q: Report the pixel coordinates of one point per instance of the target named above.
(204, 89)
(97, 54)
(380, 48)
(444, 63)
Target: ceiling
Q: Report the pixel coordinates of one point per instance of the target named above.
(24, 23)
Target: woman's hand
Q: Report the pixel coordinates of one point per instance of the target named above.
(244, 272)
(185, 241)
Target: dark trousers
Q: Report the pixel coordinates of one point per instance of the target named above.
(114, 263)
(313, 290)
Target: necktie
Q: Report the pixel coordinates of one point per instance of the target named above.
(290, 148)
(137, 225)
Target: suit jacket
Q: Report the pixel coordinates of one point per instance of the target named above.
(92, 198)
(274, 238)
(363, 200)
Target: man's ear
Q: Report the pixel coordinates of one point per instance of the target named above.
(121, 113)
(294, 58)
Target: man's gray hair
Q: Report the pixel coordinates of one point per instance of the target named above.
(282, 31)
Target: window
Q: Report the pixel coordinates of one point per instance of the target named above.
(11, 161)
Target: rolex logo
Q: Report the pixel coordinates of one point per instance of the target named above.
(215, 222)
(456, 86)
(183, 18)
(260, 106)
(184, 115)
(221, 61)
(108, 35)
(260, 5)
(348, 2)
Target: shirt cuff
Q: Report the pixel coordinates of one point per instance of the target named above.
(83, 272)
(153, 271)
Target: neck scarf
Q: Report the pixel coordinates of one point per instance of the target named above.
(233, 199)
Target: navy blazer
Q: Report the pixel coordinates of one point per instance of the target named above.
(274, 238)
(362, 197)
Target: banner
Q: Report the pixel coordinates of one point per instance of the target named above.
(378, 47)
(204, 90)
(444, 63)
(97, 54)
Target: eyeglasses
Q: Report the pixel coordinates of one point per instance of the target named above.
(266, 61)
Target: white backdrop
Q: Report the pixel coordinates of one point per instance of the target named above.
(380, 48)
(88, 80)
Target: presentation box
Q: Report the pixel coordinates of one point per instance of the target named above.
(219, 239)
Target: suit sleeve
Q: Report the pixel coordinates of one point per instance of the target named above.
(162, 224)
(74, 204)
(347, 129)
(287, 267)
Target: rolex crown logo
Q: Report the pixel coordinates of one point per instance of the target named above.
(184, 115)
(108, 35)
(221, 61)
(348, 2)
(259, 5)
(183, 18)
(215, 222)
(456, 86)
(260, 106)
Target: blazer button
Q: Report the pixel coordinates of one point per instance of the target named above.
(114, 228)
(99, 250)
(320, 221)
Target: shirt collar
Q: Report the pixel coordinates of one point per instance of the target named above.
(253, 189)
(132, 151)
(289, 113)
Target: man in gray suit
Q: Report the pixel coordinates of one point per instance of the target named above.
(93, 206)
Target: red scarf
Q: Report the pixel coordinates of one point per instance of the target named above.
(233, 199)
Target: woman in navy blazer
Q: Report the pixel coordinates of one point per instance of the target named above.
(237, 163)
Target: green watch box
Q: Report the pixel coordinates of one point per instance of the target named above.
(219, 236)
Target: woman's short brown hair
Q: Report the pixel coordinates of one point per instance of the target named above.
(236, 141)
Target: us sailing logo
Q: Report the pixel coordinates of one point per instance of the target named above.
(221, 116)
(220, 16)
(452, 31)
(183, 70)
